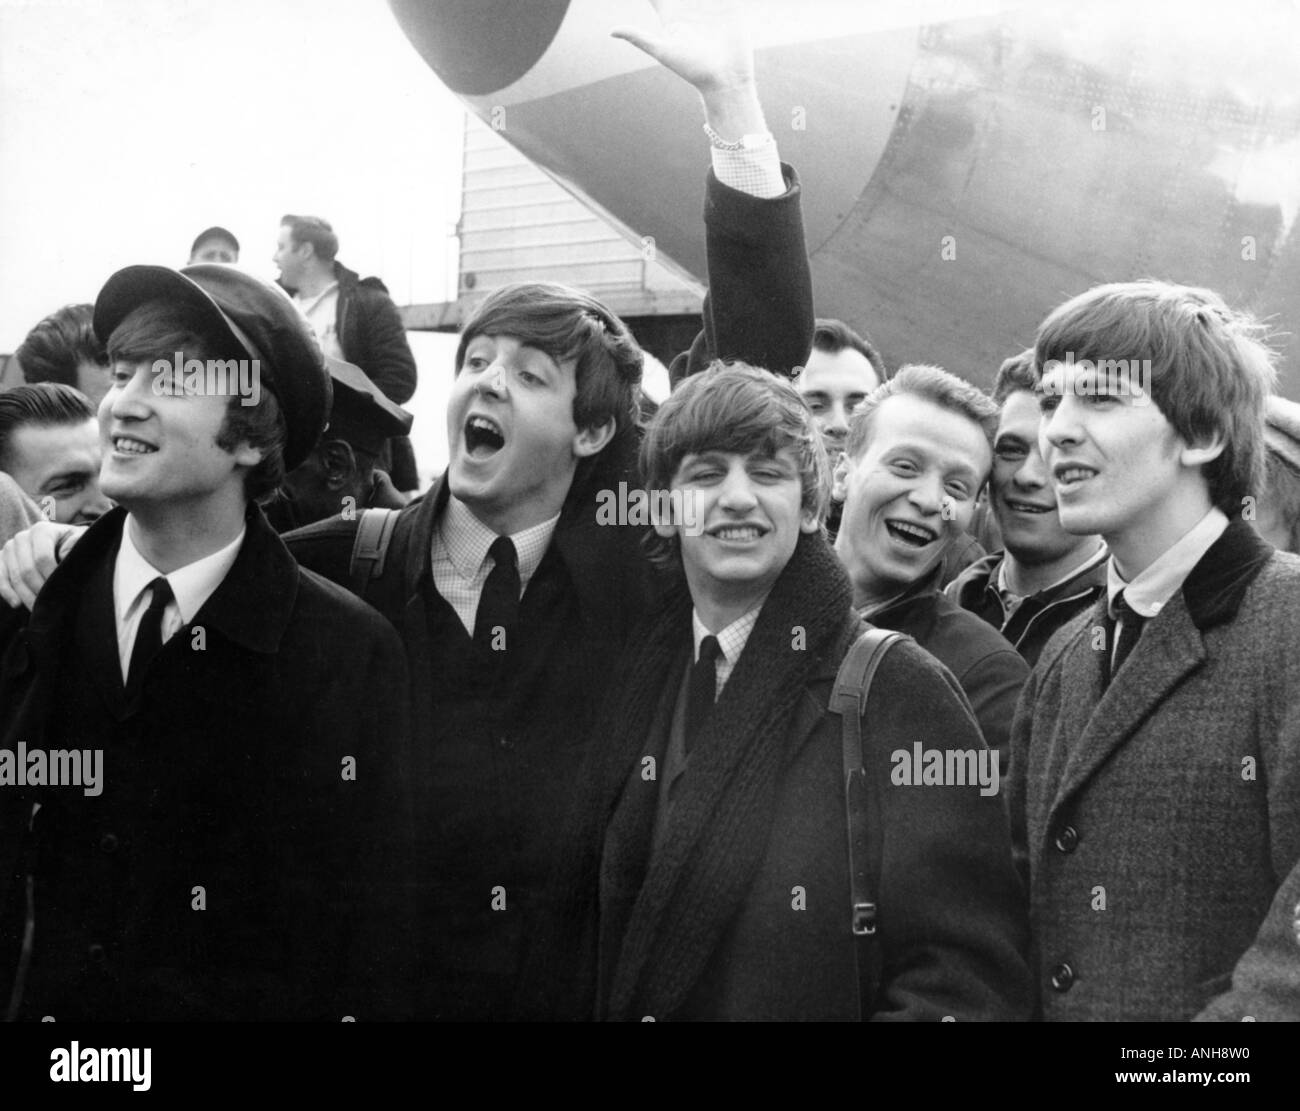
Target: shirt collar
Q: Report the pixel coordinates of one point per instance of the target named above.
(467, 540)
(309, 303)
(1087, 565)
(732, 638)
(1147, 594)
(192, 585)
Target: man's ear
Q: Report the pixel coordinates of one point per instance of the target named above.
(246, 455)
(840, 478)
(1206, 450)
(591, 440)
(661, 515)
(339, 463)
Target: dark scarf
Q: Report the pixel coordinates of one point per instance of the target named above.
(722, 816)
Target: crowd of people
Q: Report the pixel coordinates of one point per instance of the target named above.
(1032, 655)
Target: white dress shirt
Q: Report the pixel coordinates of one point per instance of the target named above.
(1147, 594)
(191, 585)
(731, 641)
(460, 560)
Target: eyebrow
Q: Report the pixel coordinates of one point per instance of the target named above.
(63, 476)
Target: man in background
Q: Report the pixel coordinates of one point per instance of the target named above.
(918, 454)
(64, 348)
(1045, 575)
(341, 475)
(50, 446)
(215, 244)
(354, 319)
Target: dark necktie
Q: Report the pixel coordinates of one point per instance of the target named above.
(148, 637)
(498, 605)
(1127, 630)
(702, 689)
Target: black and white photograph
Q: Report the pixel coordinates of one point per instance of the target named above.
(521, 514)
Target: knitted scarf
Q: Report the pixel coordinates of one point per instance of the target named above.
(722, 810)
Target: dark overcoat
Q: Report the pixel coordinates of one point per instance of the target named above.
(498, 752)
(249, 821)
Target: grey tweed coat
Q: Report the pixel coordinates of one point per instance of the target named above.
(1156, 821)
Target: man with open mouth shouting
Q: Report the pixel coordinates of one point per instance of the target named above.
(918, 453)
(513, 599)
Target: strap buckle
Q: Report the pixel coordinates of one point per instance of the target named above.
(864, 919)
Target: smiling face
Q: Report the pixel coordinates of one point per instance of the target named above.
(511, 436)
(60, 462)
(908, 495)
(1023, 498)
(161, 451)
(747, 513)
(834, 385)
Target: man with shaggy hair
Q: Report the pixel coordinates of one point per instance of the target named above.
(1155, 775)
(717, 781)
(200, 802)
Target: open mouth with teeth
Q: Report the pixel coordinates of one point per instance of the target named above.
(737, 533)
(913, 535)
(1026, 507)
(127, 445)
(1072, 474)
(483, 437)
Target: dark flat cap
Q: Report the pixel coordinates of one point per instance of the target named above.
(362, 415)
(260, 320)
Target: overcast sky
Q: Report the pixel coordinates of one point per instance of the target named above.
(128, 126)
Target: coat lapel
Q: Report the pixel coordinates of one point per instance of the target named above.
(1170, 648)
(629, 839)
(95, 637)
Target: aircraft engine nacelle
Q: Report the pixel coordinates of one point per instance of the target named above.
(966, 166)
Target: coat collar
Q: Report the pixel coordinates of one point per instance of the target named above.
(251, 607)
(1172, 646)
(602, 561)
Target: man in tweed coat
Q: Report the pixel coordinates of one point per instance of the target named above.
(1155, 766)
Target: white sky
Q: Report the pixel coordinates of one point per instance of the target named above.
(129, 126)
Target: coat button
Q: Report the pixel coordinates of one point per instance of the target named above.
(1067, 838)
(108, 843)
(96, 953)
(1062, 977)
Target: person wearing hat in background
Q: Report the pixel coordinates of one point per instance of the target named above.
(1277, 513)
(217, 831)
(340, 475)
(214, 244)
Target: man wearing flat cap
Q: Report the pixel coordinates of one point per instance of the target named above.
(341, 476)
(197, 791)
